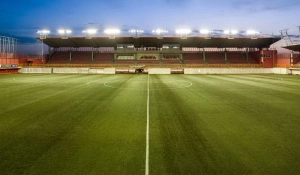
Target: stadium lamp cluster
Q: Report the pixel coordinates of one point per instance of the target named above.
(205, 31)
(112, 31)
(136, 31)
(252, 32)
(63, 31)
(90, 31)
(230, 32)
(183, 31)
(43, 32)
(159, 31)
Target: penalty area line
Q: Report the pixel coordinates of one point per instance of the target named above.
(147, 130)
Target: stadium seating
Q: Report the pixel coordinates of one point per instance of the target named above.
(296, 58)
(103, 58)
(253, 57)
(236, 58)
(81, 58)
(60, 57)
(215, 58)
(193, 58)
(171, 59)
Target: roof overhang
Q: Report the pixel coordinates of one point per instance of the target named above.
(295, 47)
(200, 42)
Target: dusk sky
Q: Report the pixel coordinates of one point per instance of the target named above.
(22, 18)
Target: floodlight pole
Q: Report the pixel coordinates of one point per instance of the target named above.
(284, 34)
(43, 35)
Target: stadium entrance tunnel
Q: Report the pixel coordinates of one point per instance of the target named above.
(139, 71)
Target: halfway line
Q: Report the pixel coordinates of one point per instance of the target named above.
(147, 130)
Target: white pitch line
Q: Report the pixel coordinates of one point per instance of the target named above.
(147, 130)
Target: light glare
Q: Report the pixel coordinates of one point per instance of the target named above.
(183, 31)
(43, 32)
(62, 31)
(159, 31)
(252, 32)
(112, 31)
(204, 31)
(90, 31)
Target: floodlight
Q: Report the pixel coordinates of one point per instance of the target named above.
(136, 32)
(43, 32)
(90, 31)
(112, 31)
(252, 33)
(230, 32)
(183, 31)
(234, 32)
(159, 31)
(205, 31)
(226, 32)
(63, 31)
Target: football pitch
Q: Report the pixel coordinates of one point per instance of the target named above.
(149, 124)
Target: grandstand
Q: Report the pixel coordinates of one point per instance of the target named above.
(153, 52)
(159, 52)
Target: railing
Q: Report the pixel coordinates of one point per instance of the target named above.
(296, 66)
(282, 65)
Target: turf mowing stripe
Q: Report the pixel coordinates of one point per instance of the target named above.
(147, 132)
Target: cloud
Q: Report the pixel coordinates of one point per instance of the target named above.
(256, 6)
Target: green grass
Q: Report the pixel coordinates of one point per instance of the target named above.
(199, 124)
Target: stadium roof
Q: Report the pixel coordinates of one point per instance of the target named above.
(200, 42)
(293, 47)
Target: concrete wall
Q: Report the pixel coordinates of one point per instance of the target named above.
(281, 71)
(36, 70)
(166, 70)
(69, 70)
(96, 71)
(228, 71)
(109, 70)
(295, 71)
(159, 71)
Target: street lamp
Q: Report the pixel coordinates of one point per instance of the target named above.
(43, 35)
